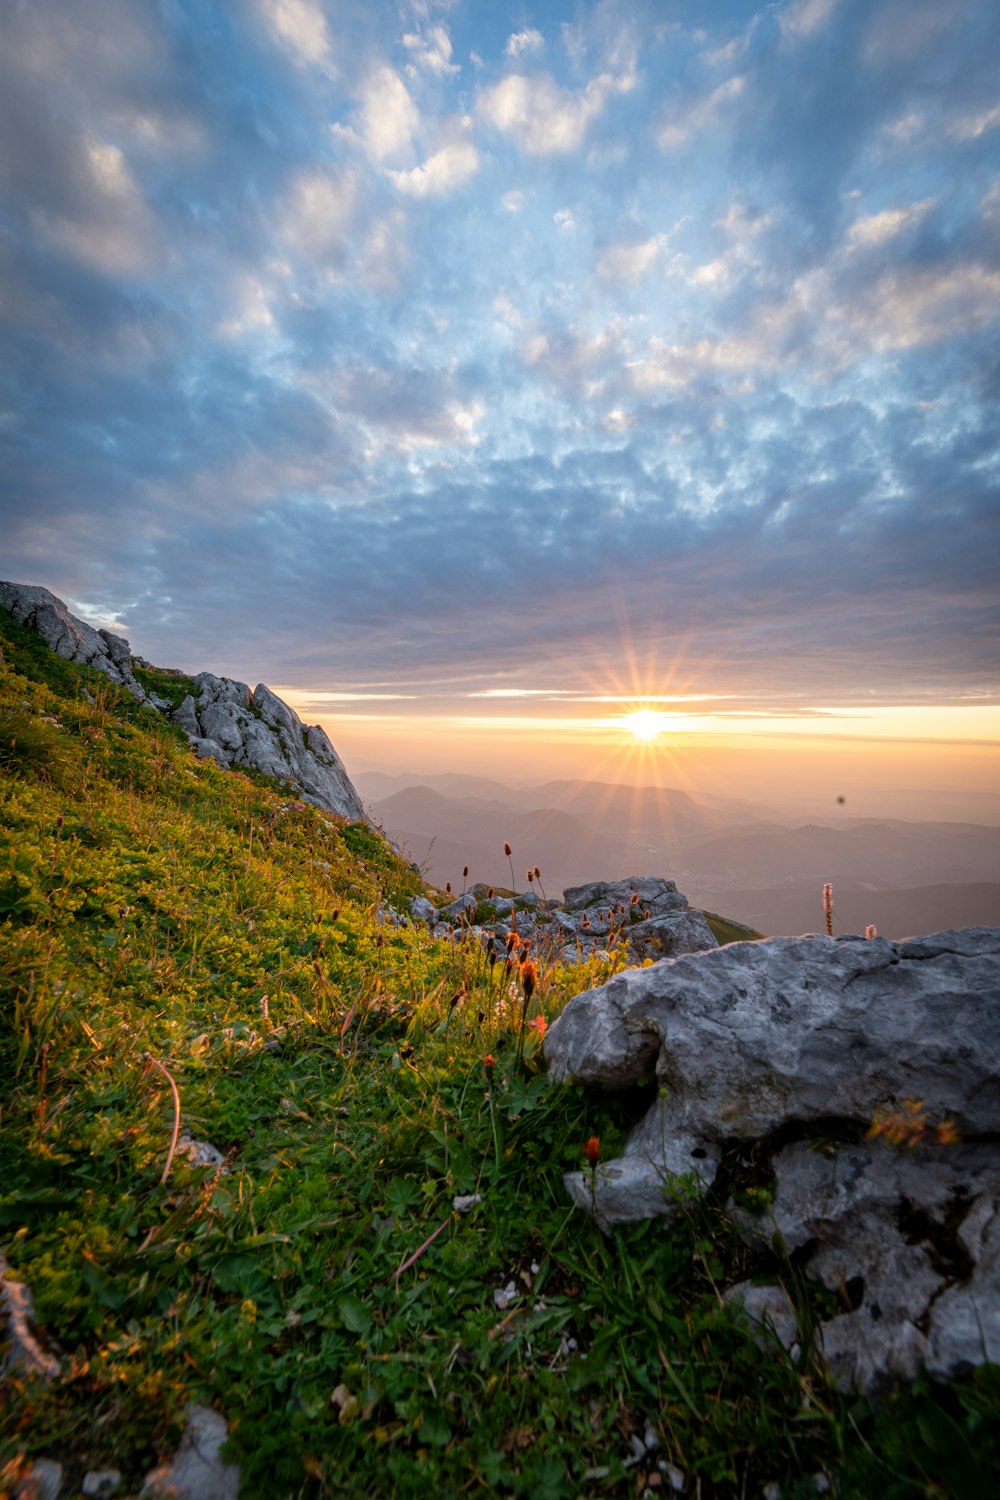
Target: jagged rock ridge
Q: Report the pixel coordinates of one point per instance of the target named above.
(227, 721)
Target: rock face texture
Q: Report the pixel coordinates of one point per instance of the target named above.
(777, 1035)
(226, 721)
(238, 727)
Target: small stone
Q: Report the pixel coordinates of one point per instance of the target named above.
(43, 1481)
(101, 1483)
(463, 1202)
(196, 1472)
(200, 1153)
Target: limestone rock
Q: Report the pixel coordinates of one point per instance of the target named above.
(769, 1312)
(755, 1034)
(37, 609)
(42, 1481)
(17, 1330)
(659, 924)
(101, 1484)
(196, 1472)
(759, 1037)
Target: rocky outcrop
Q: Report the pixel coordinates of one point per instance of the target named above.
(757, 1039)
(225, 721)
(256, 729)
(643, 917)
(72, 639)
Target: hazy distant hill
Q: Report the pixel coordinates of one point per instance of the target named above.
(892, 850)
(896, 913)
(902, 876)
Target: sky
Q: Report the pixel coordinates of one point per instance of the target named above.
(477, 375)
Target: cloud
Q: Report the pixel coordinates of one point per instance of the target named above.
(805, 17)
(913, 309)
(970, 126)
(318, 214)
(542, 117)
(523, 41)
(300, 27)
(442, 173)
(631, 262)
(699, 114)
(878, 229)
(111, 229)
(388, 119)
(431, 50)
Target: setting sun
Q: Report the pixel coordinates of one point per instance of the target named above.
(646, 723)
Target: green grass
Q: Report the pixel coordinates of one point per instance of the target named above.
(725, 930)
(148, 903)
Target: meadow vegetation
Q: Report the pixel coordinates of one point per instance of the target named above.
(361, 1336)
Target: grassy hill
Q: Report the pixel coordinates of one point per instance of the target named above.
(167, 923)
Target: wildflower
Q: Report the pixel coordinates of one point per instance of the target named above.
(947, 1133)
(828, 908)
(635, 899)
(592, 1150)
(513, 941)
(539, 1025)
(447, 887)
(490, 894)
(465, 872)
(506, 849)
(529, 876)
(529, 978)
(537, 873)
(335, 914)
(489, 1063)
(871, 931)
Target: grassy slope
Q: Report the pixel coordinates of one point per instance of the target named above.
(147, 904)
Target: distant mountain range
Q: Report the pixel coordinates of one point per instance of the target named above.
(735, 857)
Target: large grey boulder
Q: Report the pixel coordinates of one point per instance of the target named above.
(226, 722)
(778, 1035)
(753, 1035)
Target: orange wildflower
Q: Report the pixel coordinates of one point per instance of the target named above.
(592, 1150)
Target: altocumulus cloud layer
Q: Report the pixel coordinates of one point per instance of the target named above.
(401, 343)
